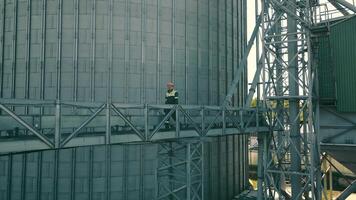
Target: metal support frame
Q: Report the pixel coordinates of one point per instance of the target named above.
(291, 155)
(180, 171)
(139, 123)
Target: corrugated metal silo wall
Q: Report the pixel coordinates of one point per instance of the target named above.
(343, 42)
(71, 47)
(326, 72)
(120, 171)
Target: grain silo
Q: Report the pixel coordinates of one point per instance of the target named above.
(63, 60)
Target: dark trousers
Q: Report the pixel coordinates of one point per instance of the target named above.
(173, 116)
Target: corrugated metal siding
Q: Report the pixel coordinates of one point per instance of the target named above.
(120, 171)
(194, 43)
(326, 74)
(343, 42)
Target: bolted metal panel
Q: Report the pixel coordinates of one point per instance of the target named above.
(343, 44)
(116, 172)
(80, 50)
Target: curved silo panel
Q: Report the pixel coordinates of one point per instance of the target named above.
(123, 51)
(89, 50)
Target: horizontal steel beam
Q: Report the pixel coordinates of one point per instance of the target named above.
(32, 144)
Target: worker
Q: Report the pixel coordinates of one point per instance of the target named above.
(171, 98)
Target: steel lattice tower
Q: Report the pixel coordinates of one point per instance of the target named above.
(290, 154)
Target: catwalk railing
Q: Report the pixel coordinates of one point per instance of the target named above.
(30, 125)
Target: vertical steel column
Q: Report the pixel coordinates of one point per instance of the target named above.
(188, 171)
(294, 103)
(279, 92)
(2, 40)
(57, 134)
(260, 174)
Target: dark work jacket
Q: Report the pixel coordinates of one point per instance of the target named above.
(172, 97)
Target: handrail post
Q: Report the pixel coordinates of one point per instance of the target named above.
(57, 132)
(202, 120)
(177, 122)
(146, 122)
(223, 121)
(108, 123)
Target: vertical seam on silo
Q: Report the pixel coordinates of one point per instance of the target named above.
(28, 53)
(93, 45)
(108, 172)
(186, 53)
(109, 74)
(39, 175)
(233, 165)
(209, 56)
(244, 21)
(91, 171)
(125, 178)
(74, 160)
(197, 65)
(76, 49)
(2, 50)
(233, 48)
(158, 53)
(55, 174)
(9, 176)
(202, 161)
(59, 50)
(219, 167)
(173, 69)
(23, 176)
(143, 46)
(126, 40)
(227, 165)
(210, 167)
(14, 50)
(226, 51)
(141, 195)
(43, 49)
(218, 52)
